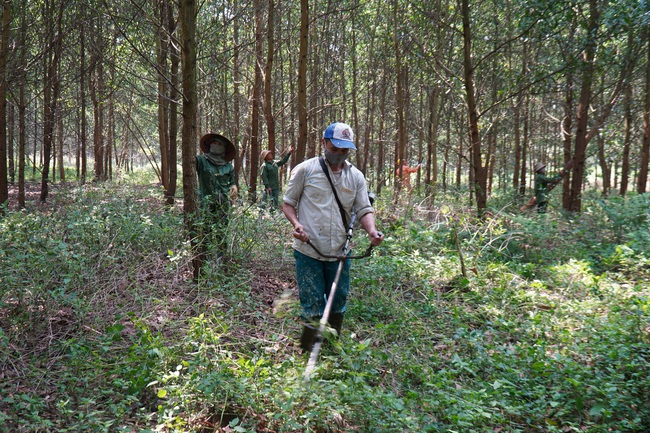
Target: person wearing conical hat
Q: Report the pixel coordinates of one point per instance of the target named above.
(216, 183)
(270, 174)
(542, 182)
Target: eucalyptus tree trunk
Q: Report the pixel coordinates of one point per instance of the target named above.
(432, 139)
(268, 72)
(575, 201)
(256, 103)
(355, 109)
(516, 110)
(400, 146)
(162, 51)
(604, 166)
(83, 162)
(187, 24)
(22, 112)
(302, 81)
(11, 154)
(4, 52)
(52, 86)
(236, 92)
(567, 127)
(525, 146)
(381, 156)
(627, 140)
(60, 136)
(479, 172)
(583, 136)
(96, 90)
(642, 179)
(173, 107)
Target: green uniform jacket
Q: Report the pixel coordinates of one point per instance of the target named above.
(271, 172)
(214, 181)
(541, 186)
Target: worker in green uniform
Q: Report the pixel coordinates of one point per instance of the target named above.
(542, 182)
(216, 184)
(270, 173)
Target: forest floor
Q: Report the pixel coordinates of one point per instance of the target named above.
(102, 326)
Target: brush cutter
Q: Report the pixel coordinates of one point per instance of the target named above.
(313, 357)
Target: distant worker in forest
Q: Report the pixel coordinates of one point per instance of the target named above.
(216, 184)
(270, 174)
(543, 184)
(406, 174)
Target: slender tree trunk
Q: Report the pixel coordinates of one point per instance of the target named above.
(302, 81)
(642, 179)
(82, 104)
(355, 110)
(162, 51)
(256, 103)
(400, 151)
(381, 156)
(236, 92)
(22, 113)
(582, 115)
(517, 139)
(4, 52)
(480, 173)
(50, 98)
(268, 72)
(11, 155)
(96, 96)
(627, 140)
(59, 122)
(187, 22)
(173, 108)
(604, 166)
(432, 143)
(490, 159)
(567, 139)
(523, 174)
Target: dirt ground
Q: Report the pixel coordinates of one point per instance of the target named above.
(32, 195)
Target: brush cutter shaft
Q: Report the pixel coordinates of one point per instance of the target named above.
(313, 357)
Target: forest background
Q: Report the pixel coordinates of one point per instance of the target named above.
(516, 322)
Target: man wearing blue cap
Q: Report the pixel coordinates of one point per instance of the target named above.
(311, 206)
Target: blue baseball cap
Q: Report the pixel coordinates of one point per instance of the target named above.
(341, 135)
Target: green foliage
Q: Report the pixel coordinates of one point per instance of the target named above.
(102, 328)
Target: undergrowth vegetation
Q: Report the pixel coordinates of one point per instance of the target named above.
(517, 323)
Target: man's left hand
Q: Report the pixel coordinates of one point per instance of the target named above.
(376, 238)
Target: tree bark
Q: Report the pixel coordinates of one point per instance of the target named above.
(256, 103)
(162, 51)
(187, 23)
(268, 72)
(582, 115)
(400, 150)
(52, 86)
(480, 173)
(302, 82)
(173, 108)
(627, 140)
(82, 105)
(4, 53)
(567, 127)
(642, 179)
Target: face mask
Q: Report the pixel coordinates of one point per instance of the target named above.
(217, 148)
(335, 158)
